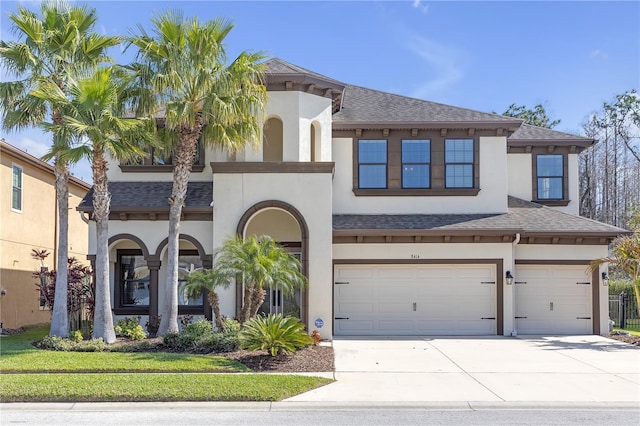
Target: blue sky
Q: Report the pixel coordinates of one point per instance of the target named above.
(570, 56)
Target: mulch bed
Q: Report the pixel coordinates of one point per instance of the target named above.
(631, 339)
(311, 359)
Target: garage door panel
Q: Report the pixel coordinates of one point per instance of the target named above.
(553, 299)
(449, 300)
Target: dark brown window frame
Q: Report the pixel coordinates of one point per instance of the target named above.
(437, 165)
(386, 163)
(415, 163)
(147, 167)
(191, 309)
(119, 308)
(452, 163)
(535, 152)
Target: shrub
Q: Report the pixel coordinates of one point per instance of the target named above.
(77, 336)
(130, 328)
(274, 333)
(618, 286)
(69, 345)
(199, 337)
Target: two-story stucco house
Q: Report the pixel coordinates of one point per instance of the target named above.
(409, 217)
(29, 220)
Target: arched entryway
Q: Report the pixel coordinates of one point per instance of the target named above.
(191, 256)
(287, 226)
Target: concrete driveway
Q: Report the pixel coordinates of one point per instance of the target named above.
(571, 369)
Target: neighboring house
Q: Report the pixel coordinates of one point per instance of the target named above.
(29, 220)
(407, 216)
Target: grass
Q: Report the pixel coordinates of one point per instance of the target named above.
(632, 330)
(33, 375)
(153, 387)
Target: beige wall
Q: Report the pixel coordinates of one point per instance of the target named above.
(310, 194)
(492, 197)
(33, 228)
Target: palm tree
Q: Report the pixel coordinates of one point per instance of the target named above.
(262, 263)
(625, 255)
(207, 279)
(184, 64)
(58, 41)
(91, 109)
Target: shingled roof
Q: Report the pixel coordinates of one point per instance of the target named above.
(526, 218)
(129, 197)
(527, 133)
(361, 105)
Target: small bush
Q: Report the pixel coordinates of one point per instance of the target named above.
(54, 343)
(231, 326)
(199, 337)
(77, 336)
(618, 286)
(130, 328)
(274, 333)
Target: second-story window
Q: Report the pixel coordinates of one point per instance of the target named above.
(16, 188)
(549, 170)
(458, 158)
(416, 159)
(372, 163)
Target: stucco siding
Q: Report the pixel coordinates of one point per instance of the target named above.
(492, 197)
(520, 175)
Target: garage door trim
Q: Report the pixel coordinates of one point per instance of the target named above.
(497, 262)
(595, 284)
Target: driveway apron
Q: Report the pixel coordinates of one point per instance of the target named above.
(488, 369)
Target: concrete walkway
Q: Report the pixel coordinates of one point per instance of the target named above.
(501, 370)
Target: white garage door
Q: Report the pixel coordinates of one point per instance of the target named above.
(415, 300)
(553, 300)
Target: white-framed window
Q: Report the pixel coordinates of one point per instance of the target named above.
(16, 188)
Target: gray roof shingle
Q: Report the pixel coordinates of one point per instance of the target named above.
(366, 105)
(522, 216)
(150, 195)
(527, 132)
(278, 66)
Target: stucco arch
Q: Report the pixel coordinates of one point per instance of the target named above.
(304, 241)
(119, 237)
(201, 251)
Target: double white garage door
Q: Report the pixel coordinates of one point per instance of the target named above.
(415, 299)
(458, 300)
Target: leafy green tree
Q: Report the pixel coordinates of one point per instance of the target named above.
(262, 263)
(183, 65)
(625, 255)
(58, 41)
(536, 116)
(91, 110)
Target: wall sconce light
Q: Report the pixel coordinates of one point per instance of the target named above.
(605, 279)
(509, 278)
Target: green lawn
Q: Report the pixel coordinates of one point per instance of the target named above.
(147, 376)
(632, 330)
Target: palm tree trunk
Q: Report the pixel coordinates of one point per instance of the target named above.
(183, 160)
(60, 316)
(215, 305)
(257, 297)
(245, 314)
(102, 320)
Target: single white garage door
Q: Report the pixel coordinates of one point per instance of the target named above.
(553, 299)
(388, 300)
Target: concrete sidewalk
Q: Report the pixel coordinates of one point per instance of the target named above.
(573, 369)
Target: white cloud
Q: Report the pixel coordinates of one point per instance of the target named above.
(598, 54)
(28, 145)
(442, 61)
(417, 4)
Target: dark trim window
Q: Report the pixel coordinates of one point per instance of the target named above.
(416, 167)
(458, 158)
(133, 279)
(550, 176)
(16, 188)
(188, 261)
(372, 163)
